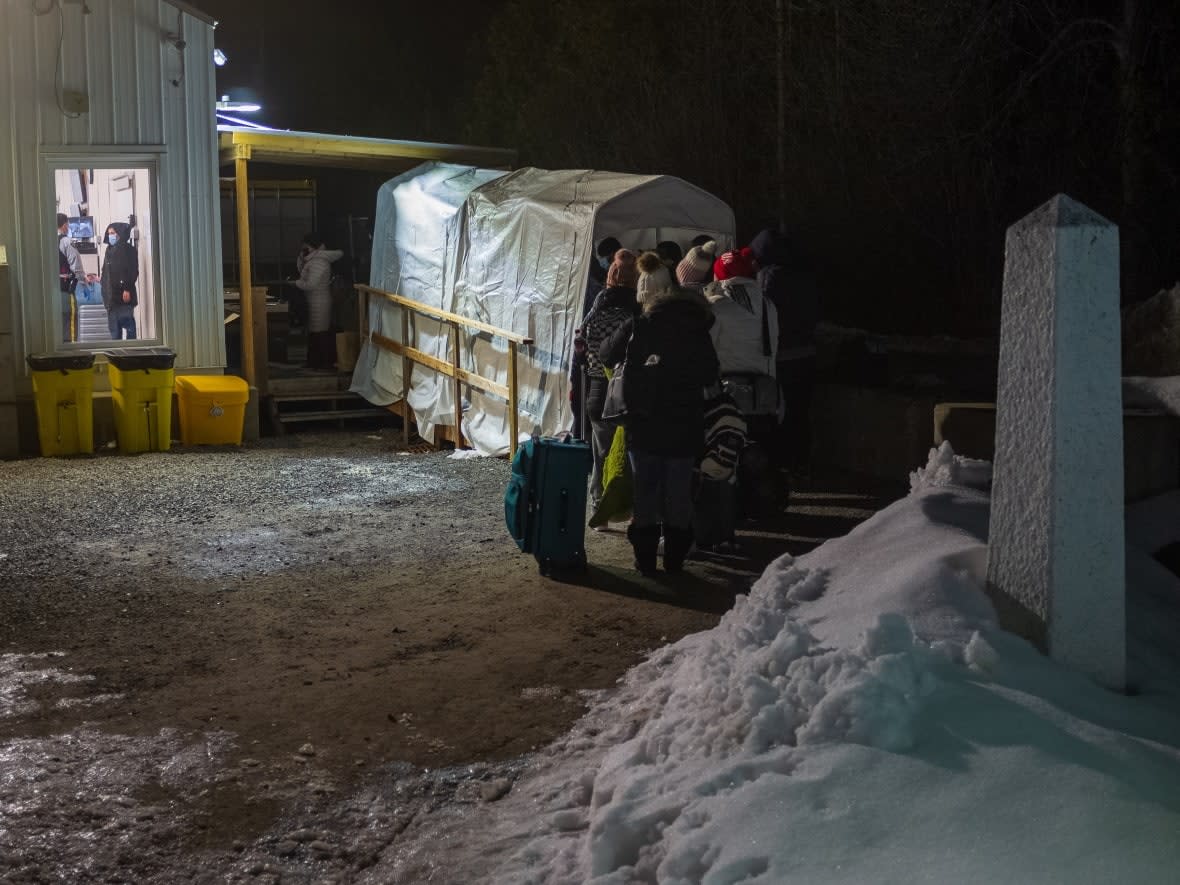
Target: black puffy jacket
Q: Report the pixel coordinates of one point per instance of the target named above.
(120, 268)
(669, 361)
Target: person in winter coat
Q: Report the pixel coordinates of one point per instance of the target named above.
(120, 272)
(746, 337)
(746, 331)
(315, 277)
(615, 305)
(604, 254)
(669, 360)
(790, 284)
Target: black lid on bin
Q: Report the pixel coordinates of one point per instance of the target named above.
(55, 362)
(128, 358)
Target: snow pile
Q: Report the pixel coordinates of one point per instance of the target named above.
(859, 717)
(466, 454)
(945, 468)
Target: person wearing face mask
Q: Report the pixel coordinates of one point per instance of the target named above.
(120, 271)
(604, 254)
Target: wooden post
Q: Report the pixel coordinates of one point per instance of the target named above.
(363, 313)
(458, 386)
(245, 283)
(513, 401)
(407, 368)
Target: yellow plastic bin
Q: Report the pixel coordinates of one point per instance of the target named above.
(63, 389)
(141, 393)
(212, 409)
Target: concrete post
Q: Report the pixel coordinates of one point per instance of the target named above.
(1055, 565)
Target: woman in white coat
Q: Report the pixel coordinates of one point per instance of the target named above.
(315, 277)
(745, 336)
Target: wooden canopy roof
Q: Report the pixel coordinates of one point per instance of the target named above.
(350, 152)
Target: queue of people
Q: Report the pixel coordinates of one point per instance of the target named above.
(715, 352)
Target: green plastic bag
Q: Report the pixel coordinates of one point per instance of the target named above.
(617, 494)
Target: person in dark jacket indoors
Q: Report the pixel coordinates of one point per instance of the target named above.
(120, 272)
(615, 305)
(789, 283)
(70, 275)
(604, 254)
(669, 361)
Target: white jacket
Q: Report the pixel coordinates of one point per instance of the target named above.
(738, 306)
(315, 278)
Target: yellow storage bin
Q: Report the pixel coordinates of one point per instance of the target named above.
(141, 393)
(63, 390)
(212, 409)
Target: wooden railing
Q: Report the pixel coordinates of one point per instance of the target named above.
(458, 375)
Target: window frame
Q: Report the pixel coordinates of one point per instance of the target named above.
(139, 156)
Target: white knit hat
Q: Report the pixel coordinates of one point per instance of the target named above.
(653, 276)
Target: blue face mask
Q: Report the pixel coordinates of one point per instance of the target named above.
(604, 261)
(112, 238)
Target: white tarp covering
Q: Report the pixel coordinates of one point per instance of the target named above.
(512, 250)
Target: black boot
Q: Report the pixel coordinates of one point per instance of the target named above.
(645, 540)
(676, 545)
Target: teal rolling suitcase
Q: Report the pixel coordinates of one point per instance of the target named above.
(545, 503)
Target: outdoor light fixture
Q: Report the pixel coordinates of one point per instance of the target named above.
(241, 107)
(219, 58)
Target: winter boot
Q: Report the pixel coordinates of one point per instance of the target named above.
(676, 545)
(645, 540)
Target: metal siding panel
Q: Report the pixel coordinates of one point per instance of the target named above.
(19, 62)
(196, 133)
(99, 40)
(124, 78)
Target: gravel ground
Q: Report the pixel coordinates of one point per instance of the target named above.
(264, 664)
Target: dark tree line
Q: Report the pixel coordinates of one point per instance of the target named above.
(895, 139)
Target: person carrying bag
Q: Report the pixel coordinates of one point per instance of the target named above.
(667, 359)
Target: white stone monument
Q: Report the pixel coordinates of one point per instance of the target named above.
(1055, 556)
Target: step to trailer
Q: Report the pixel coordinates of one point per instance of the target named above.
(326, 406)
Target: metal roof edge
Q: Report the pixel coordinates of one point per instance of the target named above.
(188, 9)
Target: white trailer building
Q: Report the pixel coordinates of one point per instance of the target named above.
(110, 109)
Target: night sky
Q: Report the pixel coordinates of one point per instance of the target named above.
(912, 132)
(386, 68)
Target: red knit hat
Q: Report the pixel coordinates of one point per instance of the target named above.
(622, 271)
(735, 263)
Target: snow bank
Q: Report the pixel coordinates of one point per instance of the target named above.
(858, 717)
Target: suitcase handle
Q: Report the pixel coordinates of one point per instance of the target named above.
(562, 521)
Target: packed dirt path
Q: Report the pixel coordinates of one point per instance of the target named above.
(203, 650)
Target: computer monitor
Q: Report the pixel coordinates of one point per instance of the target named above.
(81, 228)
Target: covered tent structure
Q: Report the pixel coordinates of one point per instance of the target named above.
(511, 250)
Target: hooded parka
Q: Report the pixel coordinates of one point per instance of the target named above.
(669, 361)
(120, 268)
